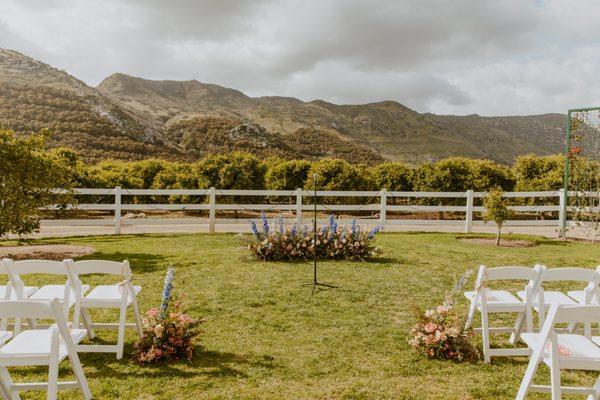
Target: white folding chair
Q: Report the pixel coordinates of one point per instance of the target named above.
(562, 351)
(121, 296)
(40, 347)
(488, 301)
(14, 288)
(544, 298)
(63, 292)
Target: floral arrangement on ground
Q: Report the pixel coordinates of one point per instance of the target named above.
(169, 334)
(439, 332)
(276, 242)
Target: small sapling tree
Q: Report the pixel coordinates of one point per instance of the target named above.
(497, 210)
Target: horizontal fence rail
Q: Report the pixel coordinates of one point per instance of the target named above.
(368, 201)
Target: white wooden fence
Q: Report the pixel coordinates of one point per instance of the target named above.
(378, 201)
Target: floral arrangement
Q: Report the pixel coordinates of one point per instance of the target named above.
(439, 333)
(168, 333)
(275, 242)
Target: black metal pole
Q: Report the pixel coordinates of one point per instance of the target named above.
(315, 283)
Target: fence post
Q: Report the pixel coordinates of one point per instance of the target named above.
(561, 214)
(383, 208)
(117, 210)
(298, 206)
(211, 210)
(469, 212)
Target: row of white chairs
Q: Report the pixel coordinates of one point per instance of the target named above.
(558, 342)
(533, 298)
(36, 346)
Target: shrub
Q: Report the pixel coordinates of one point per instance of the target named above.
(277, 243)
(168, 333)
(392, 176)
(287, 175)
(28, 173)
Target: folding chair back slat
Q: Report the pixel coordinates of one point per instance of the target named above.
(87, 267)
(26, 267)
(569, 274)
(510, 273)
(26, 309)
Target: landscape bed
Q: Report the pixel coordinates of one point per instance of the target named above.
(267, 337)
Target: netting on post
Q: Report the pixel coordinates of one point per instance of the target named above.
(582, 173)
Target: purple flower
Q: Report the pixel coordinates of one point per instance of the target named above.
(254, 229)
(374, 232)
(265, 223)
(354, 227)
(281, 225)
(293, 230)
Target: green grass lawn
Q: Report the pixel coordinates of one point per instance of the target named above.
(267, 337)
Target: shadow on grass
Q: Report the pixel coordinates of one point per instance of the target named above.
(209, 363)
(140, 262)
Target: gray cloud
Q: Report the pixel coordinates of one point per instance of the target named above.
(491, 58)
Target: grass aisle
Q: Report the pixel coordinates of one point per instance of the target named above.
(266, 337)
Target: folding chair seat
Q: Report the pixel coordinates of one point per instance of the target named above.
(488, 301)
(40, 347)
(120, 296)
(566, 351)
(543, 299)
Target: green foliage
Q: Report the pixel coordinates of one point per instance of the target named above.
(392, 176)
(334, 174)
(232, 171)
(287, 175)
(539, 173)
(497, 210)
(459, 174)
(28, 173)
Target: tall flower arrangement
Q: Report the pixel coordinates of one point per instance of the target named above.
(277, 242)
(439, 333)
(168, 332)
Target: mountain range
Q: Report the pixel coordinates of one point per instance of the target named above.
(126, 117)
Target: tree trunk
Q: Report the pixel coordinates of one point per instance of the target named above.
(498, 238)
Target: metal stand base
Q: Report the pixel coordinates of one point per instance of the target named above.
(317, 285)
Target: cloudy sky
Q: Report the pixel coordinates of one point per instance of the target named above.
(448, 57)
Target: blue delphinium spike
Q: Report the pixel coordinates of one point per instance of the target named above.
(166, 294)
(293, 230)
(254, 229)
(354, 227)
(265, 223)
(374, 232)
(281, 225)
(304, 230)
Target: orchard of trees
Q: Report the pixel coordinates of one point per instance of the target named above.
(245, 171)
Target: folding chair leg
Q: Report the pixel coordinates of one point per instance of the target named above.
(136, 315)
(4, 392)
(6, 379)
(121, 334)
(80, 375)
(471, 315)
(555, 370)
(52, 378)
(514, 337)
(485, 333)
(87, 322)
(595, 396)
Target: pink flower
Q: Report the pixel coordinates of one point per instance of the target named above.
(442, 310)
(430, 327)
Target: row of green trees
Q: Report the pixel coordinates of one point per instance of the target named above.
(245, 171)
